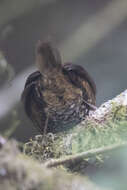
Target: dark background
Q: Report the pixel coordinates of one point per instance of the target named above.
(23, 24)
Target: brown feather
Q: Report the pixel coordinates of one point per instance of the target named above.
(61, 94)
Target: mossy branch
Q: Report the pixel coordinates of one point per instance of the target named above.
(103, 130)
(84, 155)
(110, 109)
(21, 172)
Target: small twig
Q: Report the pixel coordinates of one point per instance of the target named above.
(46, 124)
(83, 155)
(93, 107)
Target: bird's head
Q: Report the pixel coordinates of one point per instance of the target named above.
(47, 57)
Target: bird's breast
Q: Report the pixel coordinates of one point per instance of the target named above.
(66, 116)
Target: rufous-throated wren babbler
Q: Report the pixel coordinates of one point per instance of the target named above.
(57, 96)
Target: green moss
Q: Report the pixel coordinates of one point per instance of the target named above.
(119, 112)
(99, 136)
(94, 135)
(21, 172)
(44, 147)
(81, 138)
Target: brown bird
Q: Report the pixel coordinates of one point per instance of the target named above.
(58, 96)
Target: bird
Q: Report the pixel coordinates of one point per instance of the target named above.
(57, 96)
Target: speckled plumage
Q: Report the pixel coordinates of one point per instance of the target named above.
(57, 95)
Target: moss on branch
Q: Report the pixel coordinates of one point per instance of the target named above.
(18, 171)
(104, 127)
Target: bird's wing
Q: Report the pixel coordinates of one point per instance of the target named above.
(81, 79)
(32, 78)
(28, 91)
(32, 97)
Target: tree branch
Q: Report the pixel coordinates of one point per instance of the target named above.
(83, 155)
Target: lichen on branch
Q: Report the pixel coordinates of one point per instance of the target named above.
(107, 126)
(21, 172)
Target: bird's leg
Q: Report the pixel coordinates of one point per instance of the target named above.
(93, 107)
(45, 128)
